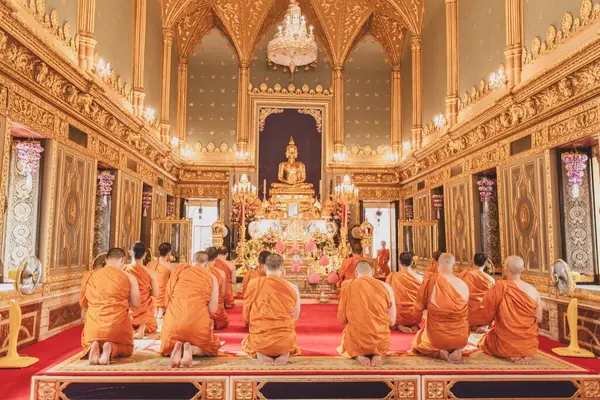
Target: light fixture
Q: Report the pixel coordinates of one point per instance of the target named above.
(575, 164)
(293, 45)
(103, 69)
(105, 185)
(339, 157)
(498, 79)
(187, 152)
(199, 212)
(242, 155)
(29, 153)
(150, 115)
(174, 141)
(146, 201)
(345, 192)
(439, 121)
(243, 192)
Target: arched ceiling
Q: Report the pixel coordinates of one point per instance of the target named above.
(339, 22)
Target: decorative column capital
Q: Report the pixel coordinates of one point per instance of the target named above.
(168, 34)
(338, 72)
(415, 43)
(451, 1)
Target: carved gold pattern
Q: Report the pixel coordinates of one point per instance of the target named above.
(244, 391)
(207, 191)
(46, 390)
(191, 29)
(263, 88)
(214, 390)
(51, 22)
(375, 178)
(390, 33)
(524, 216)
(472, 96)
(406, 390)
(435, 390)
(317, 114)
(591, 389)
(199, 175)
(264, 113)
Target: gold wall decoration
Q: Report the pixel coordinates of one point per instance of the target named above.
(205, 191)
(476, 93)
(458, 210)
(291, 89)
(264, 113)
(212, 149)
(203, 175)
(422, 240)
(127, 212)
(378, 193)
(390, 178)
(317, 114)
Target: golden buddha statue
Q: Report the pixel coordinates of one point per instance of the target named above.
(291, 172)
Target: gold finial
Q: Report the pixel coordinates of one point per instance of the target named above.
(292, 141)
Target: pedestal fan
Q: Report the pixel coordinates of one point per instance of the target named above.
(564, 282)
(99, 261)
(26, 277)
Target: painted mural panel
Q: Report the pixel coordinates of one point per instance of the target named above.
(459, 220)
(114, 35)
(153, 56)
(434, 61)
(127, 216)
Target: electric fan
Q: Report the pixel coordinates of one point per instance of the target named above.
(99, 261)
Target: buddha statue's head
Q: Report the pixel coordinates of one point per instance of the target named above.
(291, 151)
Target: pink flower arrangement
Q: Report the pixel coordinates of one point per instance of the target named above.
(30, 154)
(249, 213)
(438, 203)
(105, 184)
(146, 202)
(295, 250)
(486, 189)
(336, 212)
(314, 278)
(295, 267)
(408, 211)
(280, 246)
(324, 260)
(333, 278)
(575, 164)
(310, 246)
(269, 240)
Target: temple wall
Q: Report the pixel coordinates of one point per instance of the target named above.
(407, 102)
(67, 12)
(539, 14)
(153, 56)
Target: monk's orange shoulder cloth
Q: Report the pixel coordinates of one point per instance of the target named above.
(364, 303)
(447, 323)
(432, 268)
(187, 318)
(228, 298)
(406, 287)
(348, 269)
(515, 329)
(220, 317)
(162, 276)
(105, 293)
(250, 275)
(269, 313)
(479, 283)
(144, 314)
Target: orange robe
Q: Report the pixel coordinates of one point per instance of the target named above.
(432, 268)
(250, 275)
(479, 283)
(228, 298)
(220, 316)
(187, 318)
(406, 287)
(348, 269)
(383, 258)
(145, 312)
(269, 313)
(515, 329)
(447, 324)
(105, 293)
(162, 276)
(364, 303)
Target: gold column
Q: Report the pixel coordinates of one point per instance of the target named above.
(5, 146)
(417, 93)
(514, 41)
(165, 88)
(396, 106)
(139, 47)
(451, 61)
(85, 31)
(243, 104)
(338, 109)
(182, 75)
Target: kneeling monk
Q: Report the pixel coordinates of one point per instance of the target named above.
(220, 317)
(255, 273)
(271, 308)
(433, 267)
(514, 306)
(479, 283)
(163, 269)
(446, 329)
(230, 273)
(348, 267)
(191, 297)
(107, 293)
(368, 309)
(405, 284)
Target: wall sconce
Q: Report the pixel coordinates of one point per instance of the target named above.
(103, 69)
(150, 115)
(498, 79)
(175, 141)
(339, 157)
(439, 121)
(242, 155)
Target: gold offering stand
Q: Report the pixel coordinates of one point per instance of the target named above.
(178, 232)
(420, 237)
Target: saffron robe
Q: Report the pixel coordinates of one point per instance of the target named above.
(383, 259)
(187, 318)
(220, 316)
(406, 287)
(447, 323)
(348, 269)
(479, 283)
(515, 329)
(250, 275)
(432, 268)
(228, 298)
(162, 277)
(145, 312)
(364, 303)
(269, 313)
(105, 293)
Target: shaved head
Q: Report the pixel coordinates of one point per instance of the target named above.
(446, 263)
(201, 257)
(363, 268)
(514, 265)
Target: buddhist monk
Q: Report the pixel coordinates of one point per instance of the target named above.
(271, 309)
(163, 268)
(368, 309)
(446, 329)
(220, 317)
(383, 259)
(229, 268)
(192, 296)
(514, 306)
(255, 273)
(433, 267)
(479, 283)
(348, 268)
(144, 320)
(405, 284)
(107, 293)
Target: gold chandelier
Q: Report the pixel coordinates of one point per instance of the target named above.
(293, 45)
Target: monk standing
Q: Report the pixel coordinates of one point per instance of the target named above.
(144, 320)
(348, 267)
(446, 329)
(192, 296)
(368, 309)
(271, 309)
(406, 285)
(514, 306)
(229, 268)
(479, 283)
(433, 267)
(383, 259)
(163, 269)
(255, 273)
(107, 293)
(220, 315)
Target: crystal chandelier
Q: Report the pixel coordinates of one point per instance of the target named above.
(293, 45)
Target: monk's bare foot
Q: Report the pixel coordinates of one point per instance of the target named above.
(404, 328)
(265, 360)
(376, 361)
(141, 331)
(364, 361)
(188, 357)
(106, 352)
(281, 360)
(176, 355)
(481, 329)
(94, 355)
(522, 360)
(456, 357)
(444, 355)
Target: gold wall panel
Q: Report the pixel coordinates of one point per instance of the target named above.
(422, 234)
(127, 215)
(74, 185)
(459, 220)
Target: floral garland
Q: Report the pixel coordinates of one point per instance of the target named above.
(105, 185)
(249, 214)
(30, 154)
(146, 202)
(486, 189)
(170, 208)
(438, 203)
(575, 164)
(337, 213)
